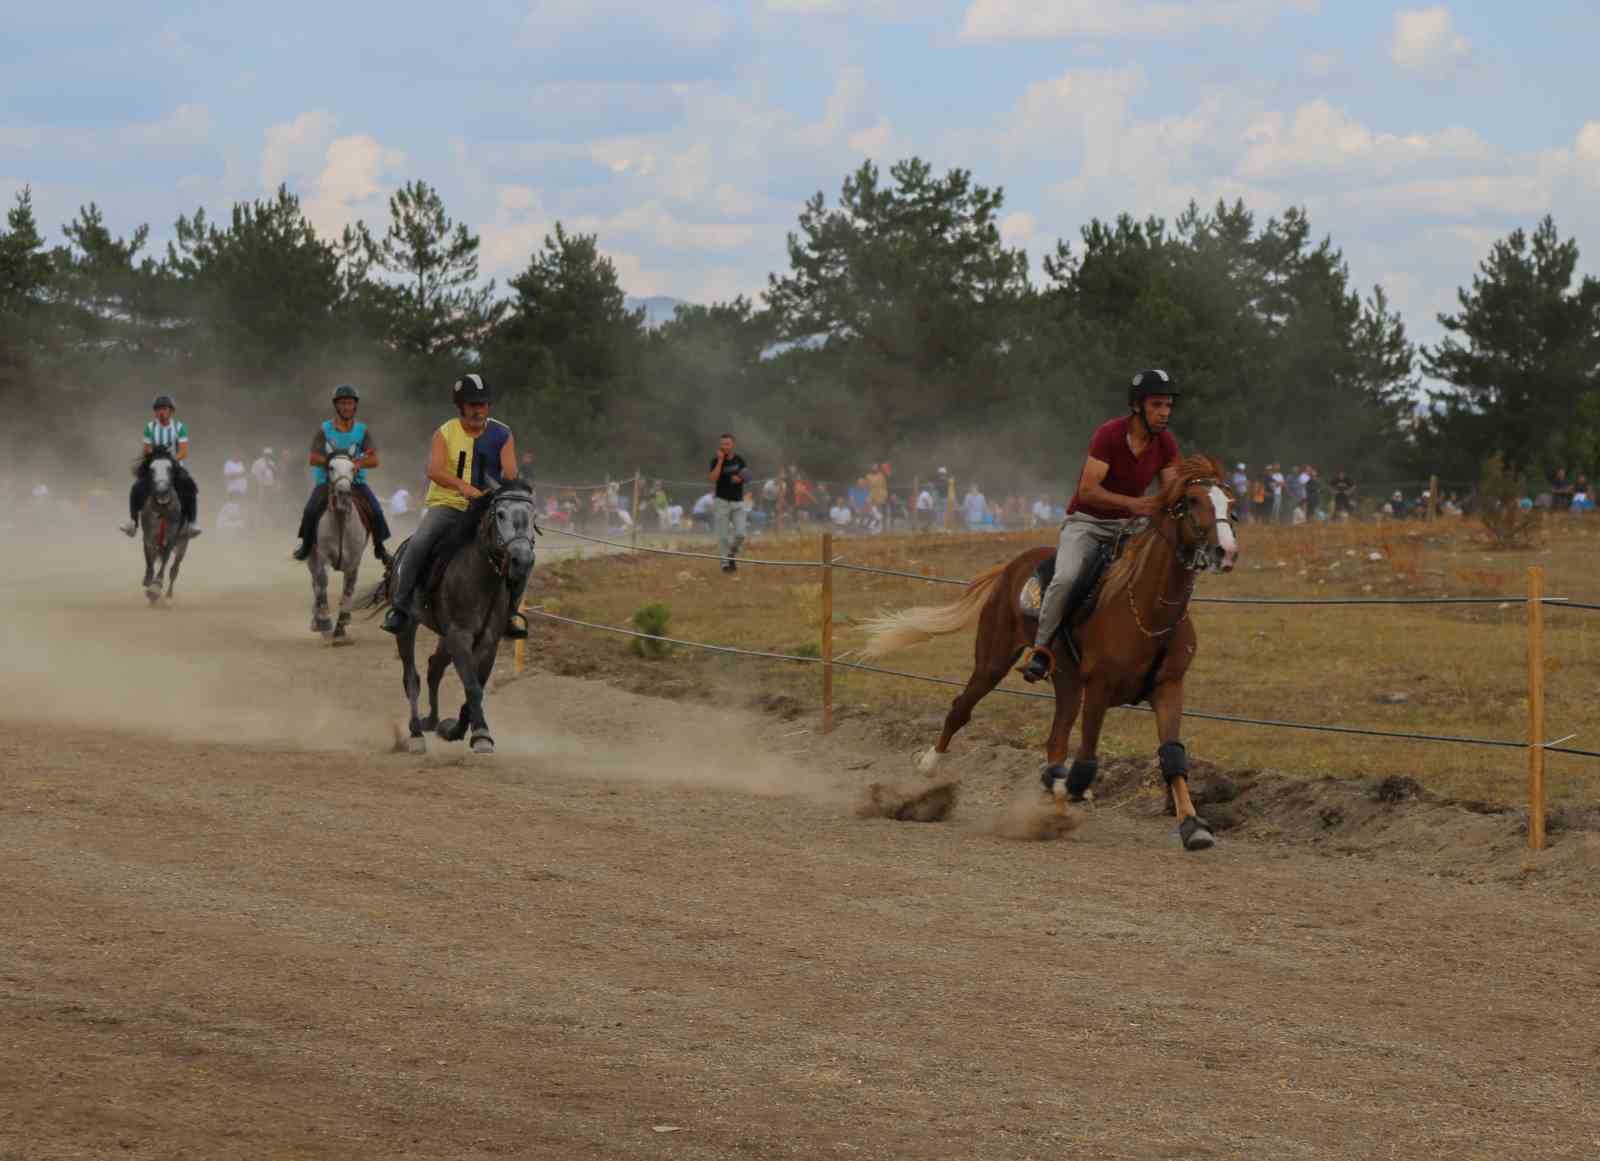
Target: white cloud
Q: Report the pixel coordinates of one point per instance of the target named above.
(1057, 19)
(1085, 106)
(1320, 136)
(349, 184)
(293, 146)
(338, 178)
(874, 140)
(1017, 227)
(184, 131)
(1425, 40)
(848, 88)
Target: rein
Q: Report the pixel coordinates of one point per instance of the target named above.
(1196, 563)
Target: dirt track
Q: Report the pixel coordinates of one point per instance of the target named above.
(236, 925)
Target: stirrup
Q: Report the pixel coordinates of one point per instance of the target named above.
(1030, 655)
(302, 551)
(516, 626)
(396, 620)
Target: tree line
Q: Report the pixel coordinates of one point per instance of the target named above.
(903, 328)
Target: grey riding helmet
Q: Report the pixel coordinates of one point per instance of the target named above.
(346, 391)
(163, 401)
(471, 389)
(1152, 382)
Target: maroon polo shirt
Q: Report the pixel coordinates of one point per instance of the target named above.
(1128, 475)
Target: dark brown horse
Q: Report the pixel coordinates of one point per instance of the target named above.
(1136, 643)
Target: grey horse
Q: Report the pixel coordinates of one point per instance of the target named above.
(466, 598)
(340, 544)
(161, 520)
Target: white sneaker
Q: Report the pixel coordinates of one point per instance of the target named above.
(129, 529)
(192, 531)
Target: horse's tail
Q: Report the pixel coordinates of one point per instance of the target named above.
(382, 593)
(893, 632)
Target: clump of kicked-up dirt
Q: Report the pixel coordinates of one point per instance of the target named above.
(909, 801)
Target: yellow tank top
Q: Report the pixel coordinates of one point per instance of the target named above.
(474, 459)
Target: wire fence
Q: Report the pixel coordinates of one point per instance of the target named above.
(841, 563)
(838, 663)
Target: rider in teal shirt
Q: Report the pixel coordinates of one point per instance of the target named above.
(343, 433)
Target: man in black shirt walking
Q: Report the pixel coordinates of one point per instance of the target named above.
(729, 474)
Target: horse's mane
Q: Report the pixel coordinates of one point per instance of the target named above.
(1127, 566)
(467, 531)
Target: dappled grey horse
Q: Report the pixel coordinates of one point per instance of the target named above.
(341, 541)
(161, 520)
(465, 597)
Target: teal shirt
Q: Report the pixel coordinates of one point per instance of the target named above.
(357, 441)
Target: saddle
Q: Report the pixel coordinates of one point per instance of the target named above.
(1081, 598)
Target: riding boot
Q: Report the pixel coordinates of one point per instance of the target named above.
(395, 620)
(1040, 663)
(382, 554)
(302, 551)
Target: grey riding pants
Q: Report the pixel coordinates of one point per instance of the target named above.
(436, 523)
(1082, 537)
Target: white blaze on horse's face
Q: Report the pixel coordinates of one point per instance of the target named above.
(1226, 544)
(342, 473)
(161, 476)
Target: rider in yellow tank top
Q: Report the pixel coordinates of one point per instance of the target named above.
(474, 458)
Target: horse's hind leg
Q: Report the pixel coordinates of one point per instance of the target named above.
(319, 592)
(172, 577)
(340, 635)
(437, 664)
(988, 674)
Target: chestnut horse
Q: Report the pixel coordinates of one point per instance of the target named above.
(1135, 644)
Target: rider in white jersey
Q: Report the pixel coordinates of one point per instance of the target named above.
(171, 434)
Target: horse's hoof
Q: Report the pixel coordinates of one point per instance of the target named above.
(417, 745)
(431, 722)
(452, 729)
(321, 625)
(1196, 834)
(929, 762)
(483, 744)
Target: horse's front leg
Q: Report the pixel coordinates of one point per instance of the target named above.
(318, 564)
(459, 644)
(1085, 763)
(406, 642)
(1167, 700)
(487, 650)
(340, 635)
(1069, 695)
(177, 561)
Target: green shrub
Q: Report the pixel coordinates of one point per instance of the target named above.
(653, 619)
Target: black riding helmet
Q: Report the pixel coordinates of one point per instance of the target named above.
(471, 389)
(163, 401)
(346, 391)
(1147, 383)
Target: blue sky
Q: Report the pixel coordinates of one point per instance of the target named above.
(686, 133)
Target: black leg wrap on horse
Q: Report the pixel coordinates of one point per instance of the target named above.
(1080, 778)
(1174, 761)
(1051, 774)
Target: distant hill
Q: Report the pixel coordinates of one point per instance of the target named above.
(658, 308)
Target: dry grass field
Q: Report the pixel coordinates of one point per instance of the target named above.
(1458, 670)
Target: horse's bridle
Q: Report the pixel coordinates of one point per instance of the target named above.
(1200, 556)
(499, 551)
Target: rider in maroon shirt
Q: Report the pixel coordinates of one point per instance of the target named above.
(1125, 455)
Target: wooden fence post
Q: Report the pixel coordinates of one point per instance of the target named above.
(634, 530)
(827, 632)
(950, 504)
(1536, 735)
(1433, 497)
